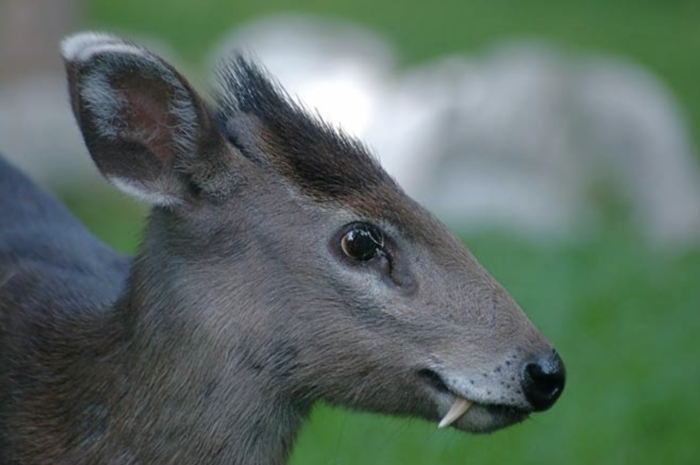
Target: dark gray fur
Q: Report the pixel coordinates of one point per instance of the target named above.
(239, 312)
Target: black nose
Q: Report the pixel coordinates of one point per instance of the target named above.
(543, 381)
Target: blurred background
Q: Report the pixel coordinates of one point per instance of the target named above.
(559, 139)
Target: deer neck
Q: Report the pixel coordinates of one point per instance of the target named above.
(197, 396)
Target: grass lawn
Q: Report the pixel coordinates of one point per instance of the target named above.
(661, 35)
(625, 318)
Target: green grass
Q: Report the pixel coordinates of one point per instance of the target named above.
(663, 35)
(626, 319)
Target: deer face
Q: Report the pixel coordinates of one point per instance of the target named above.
(303, 258)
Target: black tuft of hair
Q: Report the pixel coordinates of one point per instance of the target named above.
(320, 159)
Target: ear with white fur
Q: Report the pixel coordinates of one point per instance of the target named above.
(144, 125)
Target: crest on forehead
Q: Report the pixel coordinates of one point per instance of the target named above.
(260, 118)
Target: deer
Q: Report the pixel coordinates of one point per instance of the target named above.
(280, 267)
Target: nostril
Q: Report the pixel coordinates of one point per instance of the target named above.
(433, 379)
(546, 383)
(543, 381)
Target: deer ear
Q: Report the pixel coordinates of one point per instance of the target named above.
(141, 120)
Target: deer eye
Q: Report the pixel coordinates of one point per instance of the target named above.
(362, 242)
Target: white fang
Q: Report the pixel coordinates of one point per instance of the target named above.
(459, 408)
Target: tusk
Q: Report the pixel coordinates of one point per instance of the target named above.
(459, 408)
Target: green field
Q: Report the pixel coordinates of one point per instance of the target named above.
(625, 318)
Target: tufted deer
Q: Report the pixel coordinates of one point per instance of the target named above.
(281, 266)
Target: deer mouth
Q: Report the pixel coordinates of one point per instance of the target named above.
(467, 413)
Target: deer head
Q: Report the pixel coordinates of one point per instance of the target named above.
(285, 258)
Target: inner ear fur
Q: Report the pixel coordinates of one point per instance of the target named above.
(145, 127)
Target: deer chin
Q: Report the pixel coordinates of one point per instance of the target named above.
(471, 412)
(484, 418)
